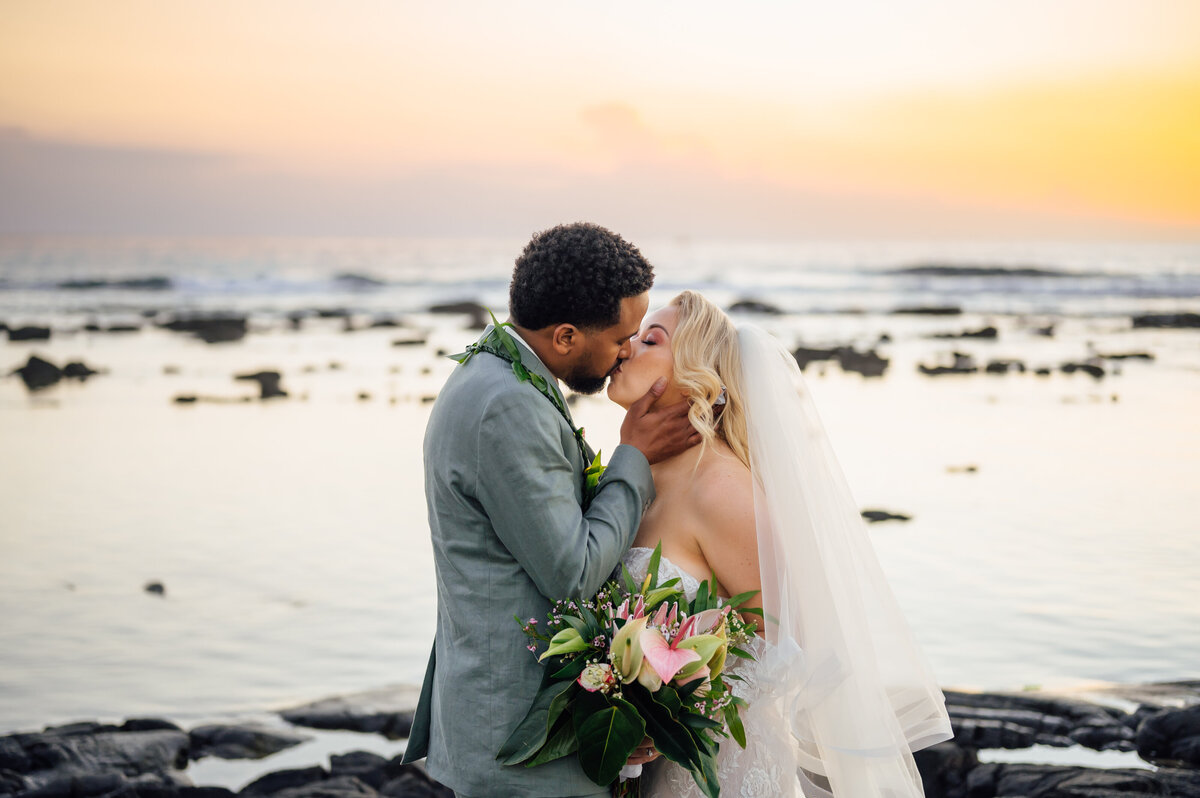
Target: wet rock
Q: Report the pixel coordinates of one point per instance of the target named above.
(358, 282)
(875, 516)
(934, 310)
(1171, 737)
(983, 332)
(1090, 368)
(148, 724)
(1005, 720)
(963, 364)
(1045, 332)
(78, 370)
(205, 792)
(93, 748)
(385, 322)
(956, 270)
(132, 284)
(38, 373)
(387, 711)
(157, 588)
(478, 313)
(245, 741)
(868, 364)
(332, 313)
(364, 396)
(805, 355)
(280, 780)
(369, 768)
(1042, 371)
(268, 383)
(1004, 366)
(1010, 780)
(411, 781)
(185, 399)
(1127, 356)
(337, 787)
(210, 329)
(965, 469)
(1167, 320)
(944, 768)
(754, 306)
(30, 333)
(410, 340)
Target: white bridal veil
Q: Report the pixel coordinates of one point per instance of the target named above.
(844, 669)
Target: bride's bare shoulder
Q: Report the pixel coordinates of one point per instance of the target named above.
(722, 492)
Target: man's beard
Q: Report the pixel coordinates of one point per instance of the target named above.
(586, 383)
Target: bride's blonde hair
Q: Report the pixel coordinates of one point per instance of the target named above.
(705, 349)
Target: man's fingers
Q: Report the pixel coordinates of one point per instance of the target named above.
(643, 405)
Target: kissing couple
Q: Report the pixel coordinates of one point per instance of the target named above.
(724, 465)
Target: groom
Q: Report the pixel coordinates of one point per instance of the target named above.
(505, 488)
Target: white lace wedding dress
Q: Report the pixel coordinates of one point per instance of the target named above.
(751, 773)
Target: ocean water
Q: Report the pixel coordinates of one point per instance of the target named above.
(291, 538)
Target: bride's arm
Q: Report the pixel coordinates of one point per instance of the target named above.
(723, 503)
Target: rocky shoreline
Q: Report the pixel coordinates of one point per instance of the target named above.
(147, 758)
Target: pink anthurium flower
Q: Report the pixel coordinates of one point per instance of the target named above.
(664, 657)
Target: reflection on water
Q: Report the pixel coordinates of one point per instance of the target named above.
(292, 542)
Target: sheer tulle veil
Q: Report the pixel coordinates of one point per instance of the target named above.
(844, 669)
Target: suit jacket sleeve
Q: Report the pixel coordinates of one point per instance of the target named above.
(528, 486)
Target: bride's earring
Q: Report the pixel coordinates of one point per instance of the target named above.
(718, 404)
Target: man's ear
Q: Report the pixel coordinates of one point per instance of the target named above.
(566, 338)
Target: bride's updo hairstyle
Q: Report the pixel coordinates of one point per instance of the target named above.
(706, 354)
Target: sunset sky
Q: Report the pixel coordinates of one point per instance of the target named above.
(1070, 118)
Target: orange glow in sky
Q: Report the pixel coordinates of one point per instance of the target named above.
(1046, 113)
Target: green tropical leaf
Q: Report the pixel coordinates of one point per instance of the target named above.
(699, 722)
(562, 741)
(752, 611)
(627, 577)
(742, 598)
(734, 721)
(607, 738)
(670, 737)
(741, 652)
(706, 775)
(655, 557)
(531, 732)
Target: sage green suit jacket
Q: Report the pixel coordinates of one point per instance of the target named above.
(504, 486)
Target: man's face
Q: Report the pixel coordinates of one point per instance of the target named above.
(603, 349)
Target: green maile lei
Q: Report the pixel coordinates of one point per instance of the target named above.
(500, 344)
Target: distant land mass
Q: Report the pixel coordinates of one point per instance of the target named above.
(955, 270)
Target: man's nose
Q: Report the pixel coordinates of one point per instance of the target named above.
(625, 351)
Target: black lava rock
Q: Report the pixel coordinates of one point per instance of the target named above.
(754, 306)
(268, 383)
(210, 329)
(478, 313)
(1171, 736)
(29, 333)
(1165, 320)
(38, 373)
(240, 741)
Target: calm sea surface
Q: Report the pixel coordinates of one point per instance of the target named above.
(291, 537)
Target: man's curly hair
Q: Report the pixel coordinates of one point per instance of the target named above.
(576, 274)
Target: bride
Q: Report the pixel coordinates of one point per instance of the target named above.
(839, 693)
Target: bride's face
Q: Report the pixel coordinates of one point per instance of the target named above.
(649, 358)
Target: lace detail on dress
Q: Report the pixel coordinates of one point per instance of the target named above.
(759, 770)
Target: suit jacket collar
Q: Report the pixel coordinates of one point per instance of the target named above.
(532, 362)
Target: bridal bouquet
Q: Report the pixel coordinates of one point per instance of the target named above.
(631, 663)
